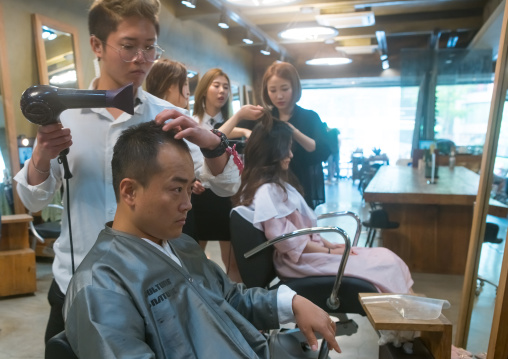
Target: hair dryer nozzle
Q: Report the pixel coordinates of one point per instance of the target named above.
(122, 99)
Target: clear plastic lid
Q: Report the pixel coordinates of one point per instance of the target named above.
(412, 306)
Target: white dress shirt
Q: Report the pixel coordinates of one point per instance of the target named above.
(92, 199)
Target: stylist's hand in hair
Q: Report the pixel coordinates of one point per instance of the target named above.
(250, 112)
(187, 128)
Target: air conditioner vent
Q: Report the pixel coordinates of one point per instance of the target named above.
(353, 19)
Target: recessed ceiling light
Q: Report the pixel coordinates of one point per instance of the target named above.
(309, 33)
(265, 51)
(189, 3)
(260, 2)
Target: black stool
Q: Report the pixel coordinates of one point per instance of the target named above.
(378, 220)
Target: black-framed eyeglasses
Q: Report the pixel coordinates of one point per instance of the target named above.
(129, 53)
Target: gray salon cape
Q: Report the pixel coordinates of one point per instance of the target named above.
(130, 300)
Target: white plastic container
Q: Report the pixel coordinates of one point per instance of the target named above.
(412, 306)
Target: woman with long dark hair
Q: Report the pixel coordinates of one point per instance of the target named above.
(271, 193)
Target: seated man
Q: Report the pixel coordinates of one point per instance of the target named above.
(146, 291)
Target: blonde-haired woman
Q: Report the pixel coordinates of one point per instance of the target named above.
(209, 217)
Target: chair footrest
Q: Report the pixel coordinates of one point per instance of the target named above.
(348, 327)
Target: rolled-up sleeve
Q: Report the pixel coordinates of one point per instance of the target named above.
(224, 184)
(35, 198)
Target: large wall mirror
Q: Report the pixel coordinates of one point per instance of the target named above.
(57, 53)
(9, 161)
(484, 310)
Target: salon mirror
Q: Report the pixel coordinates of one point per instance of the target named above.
(57, 53)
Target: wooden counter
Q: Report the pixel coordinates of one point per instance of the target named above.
(17, 259)
(435, 219)
(436, 334)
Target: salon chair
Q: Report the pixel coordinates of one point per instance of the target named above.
(58, 347)
(337, 295)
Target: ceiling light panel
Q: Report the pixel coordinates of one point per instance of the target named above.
(309, 33)
(358, 50)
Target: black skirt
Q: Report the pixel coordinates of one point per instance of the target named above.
(208, 220)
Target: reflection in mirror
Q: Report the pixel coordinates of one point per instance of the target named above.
(57, 53)
(236, 101)
(193, 77)
(248, 95)
(59, 58)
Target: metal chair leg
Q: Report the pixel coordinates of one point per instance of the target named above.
(374, 231)
(370, 238)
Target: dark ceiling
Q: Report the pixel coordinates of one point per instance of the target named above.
(422, 24)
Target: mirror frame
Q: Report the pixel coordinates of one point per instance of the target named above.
(248, 95)
(37, 22)
(240, 93)
(498, 346)
(10, 124)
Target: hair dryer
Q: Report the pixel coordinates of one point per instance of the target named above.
(43, 104)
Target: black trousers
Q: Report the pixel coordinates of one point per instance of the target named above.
(55, 322)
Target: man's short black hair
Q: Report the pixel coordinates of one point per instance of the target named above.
(136, 150)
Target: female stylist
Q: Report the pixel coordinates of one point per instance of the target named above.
(281, 91)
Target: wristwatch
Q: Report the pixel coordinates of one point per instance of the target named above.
(220, 149)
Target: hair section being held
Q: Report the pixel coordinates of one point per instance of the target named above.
(269, 144)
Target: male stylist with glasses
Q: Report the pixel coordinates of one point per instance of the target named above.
(124, 39)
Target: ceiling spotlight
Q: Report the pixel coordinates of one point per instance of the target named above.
(265, 51)
(191, 73)
(309, 33)
(189, 3)
(223, 21)
(248, 38)
(383, 57)
(385, 65)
